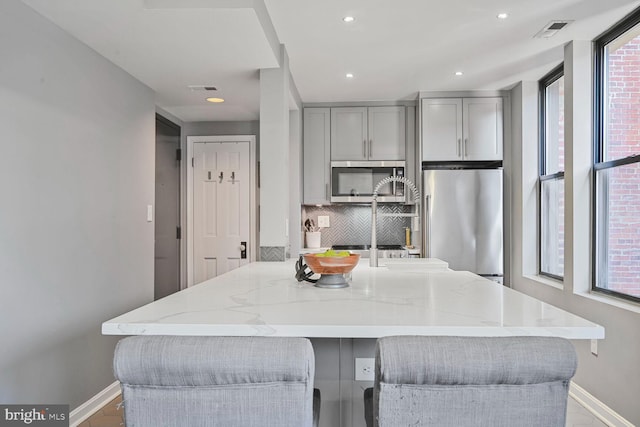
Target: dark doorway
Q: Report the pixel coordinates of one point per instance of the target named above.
(167, 229)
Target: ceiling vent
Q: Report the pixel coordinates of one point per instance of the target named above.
(202, 87)
(551, 29)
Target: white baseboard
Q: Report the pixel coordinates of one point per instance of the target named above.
(92, 405)
(597, 408)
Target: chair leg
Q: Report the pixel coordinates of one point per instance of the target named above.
(368, 406)
(316, 407)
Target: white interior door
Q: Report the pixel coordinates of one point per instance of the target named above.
(221, 213)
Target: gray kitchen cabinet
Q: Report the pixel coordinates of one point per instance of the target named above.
(316, 155)
(482, 128)
(349, 133)
(368, 133)
(387, 133)
(462, 129)
(441, 129)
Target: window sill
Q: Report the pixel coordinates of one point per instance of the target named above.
(609, 300)
(590, 295)
(546, 281)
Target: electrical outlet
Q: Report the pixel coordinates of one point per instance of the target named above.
(323, 221)
(365, 369)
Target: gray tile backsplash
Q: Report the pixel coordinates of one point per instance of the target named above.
(351, 224)
(272, 253)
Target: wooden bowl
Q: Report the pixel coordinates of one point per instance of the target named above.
(331, 265)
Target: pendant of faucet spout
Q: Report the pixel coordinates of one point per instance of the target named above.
(402, 179)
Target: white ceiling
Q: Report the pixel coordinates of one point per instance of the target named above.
(171, 48)
(394, 48)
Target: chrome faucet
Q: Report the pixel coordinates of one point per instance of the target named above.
(373, 250)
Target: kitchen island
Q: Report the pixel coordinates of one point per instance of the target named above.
(264, 298)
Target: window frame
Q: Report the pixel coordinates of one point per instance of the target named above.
(546, 81)
(599, 128)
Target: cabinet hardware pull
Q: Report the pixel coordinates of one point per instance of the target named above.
(466, 141)
(458, 148)
(370, 147)
(221, 176)
(326, 191)
(364, 148)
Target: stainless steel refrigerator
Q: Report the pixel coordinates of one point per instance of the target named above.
(462, 222)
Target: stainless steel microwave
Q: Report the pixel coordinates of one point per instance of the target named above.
(354, 181)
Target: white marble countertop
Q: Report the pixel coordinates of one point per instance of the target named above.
(264, 298)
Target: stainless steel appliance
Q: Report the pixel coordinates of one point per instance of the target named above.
(354, 181)
(463, 216)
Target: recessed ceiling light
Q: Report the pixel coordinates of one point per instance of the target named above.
(215, 100)
(348, 19)
(349, 75)
(503, 15)
(459, 73)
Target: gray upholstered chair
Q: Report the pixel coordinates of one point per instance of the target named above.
(470, 381)
(174, 381)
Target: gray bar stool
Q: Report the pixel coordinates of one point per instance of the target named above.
(175, 381)
(470, 381)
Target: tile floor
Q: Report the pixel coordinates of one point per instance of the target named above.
(111, 416)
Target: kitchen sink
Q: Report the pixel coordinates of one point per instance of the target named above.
(415, 264)
(384, 251)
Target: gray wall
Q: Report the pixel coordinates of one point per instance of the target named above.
(76, 175)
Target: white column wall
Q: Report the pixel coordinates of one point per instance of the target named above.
(578, 160)
(274, 155)
(295, 173)
(525, 174)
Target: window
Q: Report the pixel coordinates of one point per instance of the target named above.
(551, 181)
(617, 160)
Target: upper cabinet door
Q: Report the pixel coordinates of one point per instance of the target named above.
(349, 133)
(442, 129)
(387, 139)
(317, 162)
(482, 130)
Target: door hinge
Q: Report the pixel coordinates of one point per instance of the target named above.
(192, 162)
(178, 154)
(178, 232)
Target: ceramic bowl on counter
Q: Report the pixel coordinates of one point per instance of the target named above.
(331, 268)
(330, 264)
